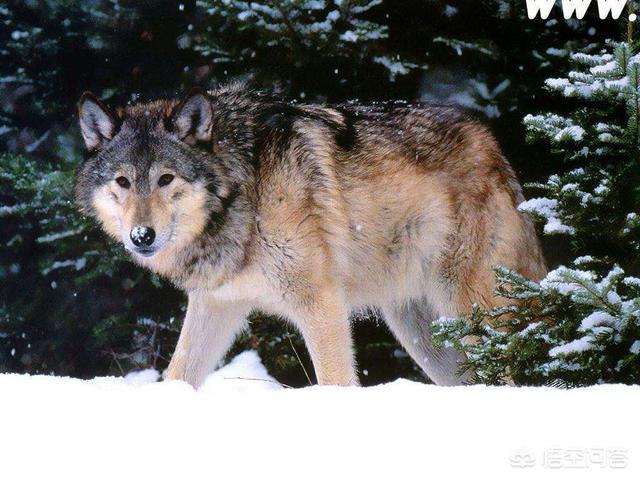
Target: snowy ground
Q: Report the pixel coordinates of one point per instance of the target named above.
(243, 424)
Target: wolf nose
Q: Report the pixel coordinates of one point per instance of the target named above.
(142, 236)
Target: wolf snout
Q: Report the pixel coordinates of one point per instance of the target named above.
(142, 236)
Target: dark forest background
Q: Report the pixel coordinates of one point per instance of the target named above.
(70, 301)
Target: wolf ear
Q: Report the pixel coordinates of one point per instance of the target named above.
(97, 123)
(192, 118)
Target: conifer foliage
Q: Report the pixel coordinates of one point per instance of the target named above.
(581, 324)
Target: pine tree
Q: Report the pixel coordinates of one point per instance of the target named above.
(581, 324)
(503, 70)
(299, 45)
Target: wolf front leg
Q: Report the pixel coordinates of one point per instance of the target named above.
(207, 333)
(326, 330)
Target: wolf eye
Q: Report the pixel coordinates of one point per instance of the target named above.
(165, 179)
(123, 182)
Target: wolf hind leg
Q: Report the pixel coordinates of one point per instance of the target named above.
(411, 323)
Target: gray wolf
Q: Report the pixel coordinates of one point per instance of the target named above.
(307, 212)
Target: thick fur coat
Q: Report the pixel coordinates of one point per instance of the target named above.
(310, 213)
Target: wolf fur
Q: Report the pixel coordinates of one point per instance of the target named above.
(308, 212)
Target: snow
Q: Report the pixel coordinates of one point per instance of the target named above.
(603, 188)
(563, 280)
(138, 233)
(247, 375)
(613, 297)
(634, 60)
(596, 319)
(574, 132)
(529, 329)
(333, 15)
(450, 11)
(557, 82)
(556, 52)
(19, 35)
(78, 264)
(11, 209)
(52, 237)
(610, 67)
(242, 424)
(142, 377)
(631, 281)
(546, 208)
(357, 9)
(349, 36)
(576, 346)
(314, 5)
(583, 259)
(394, 67)
(591, 59)
(543, 206)
(554, 225)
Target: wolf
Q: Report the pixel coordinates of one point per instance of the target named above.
(307, 212)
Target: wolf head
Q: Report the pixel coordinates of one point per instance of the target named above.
(151, 178)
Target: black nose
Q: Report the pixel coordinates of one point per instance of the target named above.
(142, 236)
